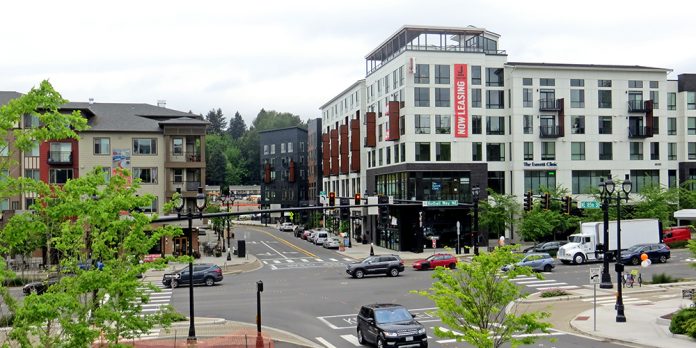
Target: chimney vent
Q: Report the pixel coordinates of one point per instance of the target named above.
(161, 103)
(91, 101)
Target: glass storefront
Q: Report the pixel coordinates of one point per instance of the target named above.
(426, 186)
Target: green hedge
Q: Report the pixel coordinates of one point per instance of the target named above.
(678, 244)
(6, 320)
(663, 278)
(684, 322)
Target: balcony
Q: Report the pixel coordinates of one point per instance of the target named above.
(548, 132)
(186, 186)
(640, 132)
(549, 105)
(60, 157)
(637, 106)
(192, 156)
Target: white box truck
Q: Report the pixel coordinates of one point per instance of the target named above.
(582, 247)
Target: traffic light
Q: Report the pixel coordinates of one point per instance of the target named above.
(383, 209)
(357, 199)
(567, 204)
(528, 203)
(332, 199)
(345, 211)
(547, 201)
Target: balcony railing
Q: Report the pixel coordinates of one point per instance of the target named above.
(640, 132)
(637, 106)
(549, 105)
(60, 157)
(187, 185)
(550, 132)
(194, 156)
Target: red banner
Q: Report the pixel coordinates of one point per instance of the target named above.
(461, 102)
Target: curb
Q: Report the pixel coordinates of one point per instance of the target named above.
(578, 297)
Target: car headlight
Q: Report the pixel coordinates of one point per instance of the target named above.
(390, 334)
(421, 331)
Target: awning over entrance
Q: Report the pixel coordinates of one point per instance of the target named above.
(685, 214)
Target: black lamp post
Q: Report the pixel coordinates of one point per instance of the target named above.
(606, 189)
(200, 205)
(475, 191)
(626, 187)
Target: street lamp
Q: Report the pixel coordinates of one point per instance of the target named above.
(475, 191)
(200, 205)
(606, 189)
(626, 187)
(227, 200)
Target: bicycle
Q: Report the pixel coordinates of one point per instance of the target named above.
(630, 278)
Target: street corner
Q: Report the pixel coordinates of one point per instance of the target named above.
(250, 265)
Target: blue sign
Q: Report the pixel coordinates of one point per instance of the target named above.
(436, 186)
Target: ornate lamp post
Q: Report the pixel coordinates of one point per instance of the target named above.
(626, 187)
(606, 189)
(475, 191)
(200, 205)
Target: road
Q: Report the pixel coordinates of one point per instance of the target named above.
(307, 292)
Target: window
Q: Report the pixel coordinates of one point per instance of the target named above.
(586, 181)
(388, 154)
(644, 178)
(442, 74)
(144, 146)
(178, 175)
(671, 126)
(422, 124)
(548, 151)
(4, 150)
(443, 124)
(476, 125)
(422, 151)
(290, 147)
(265, 149)
(380, 136)
(31, 121)
(691, 100)
(635, 84)
(655, 151)
(443, 151)
(527, 98)
(403, 152)
(272, 149)
(495, 125)
(671, 101)
(654, 84)
(146, 175)
(421, 96)
(526, 81)
(671, 178)
(495, 152)
(151, 208)
(547, 82)
(672, 151)
(528, 124)
(605, 151)
(604, 124)
(34, 151)
(494, 77)
(656, 125)
(535, 180)
(636, 151)
(442, 97)
(396, 153)
(577, 151)
(655, 97)
(101, 146)
(528, 151)
(578, 124)
(381, 157)
(4, 204)
(476, 149)
(691, 151)
(577, 98)
(475, 75)
(422, 74)
(60, 153)
(59, 175)
(496, 181)
(604, 99)
(691, 125)
(495, 99)
(577, 83)
(604, 83)
(32, 174)
(475, 98)
(178, 147)
(402, 124)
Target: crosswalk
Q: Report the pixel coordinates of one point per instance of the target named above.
(305, 262)
(157, 300)
(610, 300)
(542, 284)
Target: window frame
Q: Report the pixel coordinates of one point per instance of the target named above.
(99, 144)
(137, 147)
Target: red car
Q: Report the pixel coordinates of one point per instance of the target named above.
(444, 260)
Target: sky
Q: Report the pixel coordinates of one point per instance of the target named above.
(294, 56)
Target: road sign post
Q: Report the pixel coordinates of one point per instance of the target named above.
(595, 278)
(459, 250)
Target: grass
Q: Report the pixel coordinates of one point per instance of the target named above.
(554, 293)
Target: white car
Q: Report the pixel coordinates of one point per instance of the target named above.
(319, 237)
(287, 227)
(332, 243)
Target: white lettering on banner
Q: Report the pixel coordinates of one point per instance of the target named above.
(461, 103)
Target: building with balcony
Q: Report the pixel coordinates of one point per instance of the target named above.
(444, 111)
(314, 161)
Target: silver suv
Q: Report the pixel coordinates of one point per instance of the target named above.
(390, 265)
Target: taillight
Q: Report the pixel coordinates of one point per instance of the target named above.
(401, 262)
(218, 270)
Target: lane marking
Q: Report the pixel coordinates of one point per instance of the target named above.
(286, 243)
(278, 252)
(536, 281)
(352, 339)
(325, 342)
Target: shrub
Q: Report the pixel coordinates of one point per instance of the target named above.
(16, 281)
(684, 319)
(6, 320)
(554, 293)
(678, 244)
(662, 278)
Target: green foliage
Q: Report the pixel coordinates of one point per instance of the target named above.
(471, 299)
(684, 322)
(662, 278)
(217, 122)
(538, 224)
(656, 202)
(553, 293)
(497, 212)
(237, 126)
(692, 248)
(680, 244)
(6, 320)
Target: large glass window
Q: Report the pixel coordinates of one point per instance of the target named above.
(422, 74)
(538, 180)
(60, 153)
(34, 151)
(421, 96)
(496, 181)
(101, 146)
(547, 82)
(671, 101)
(671, 126)
(33, 174)
(691, 125)
(495, 152)
(476, 124)
(528, 124)
(604, 99)
(528, 151)
(396, 153)
(422, 124)
(443, 151)
(144, 146)
(442, 74)
(443, 124)
(476, 75)
(605, 151)
(672, 151)
(578, 124)
(495, 99)
(476, 152)
(586, 181)
(655, 151)
(495, 125)
(691, 100)
(548, 151)
(655, 97)
(604, 124)
(442, 97)
(422, 151)
(527, 98)
(59, 175)
(146, 175)
(636, 150)
(577, 98)
(577, 151)
(644, 178)
(475, 98)
(403, 152)
(494, 77)
(691, 150)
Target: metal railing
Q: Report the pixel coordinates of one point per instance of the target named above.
(636, 106)
(549, 105)
(550, 132)
(192, 156)
(640, 132)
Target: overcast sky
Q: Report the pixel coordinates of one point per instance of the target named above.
(293, 56)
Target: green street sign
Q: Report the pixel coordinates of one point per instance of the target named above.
(589, 205)
(447, 203)
(322, 193)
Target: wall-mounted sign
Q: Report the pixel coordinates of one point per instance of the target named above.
(540, 164)
(461, 102)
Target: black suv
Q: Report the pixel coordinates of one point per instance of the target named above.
(40, 286)
(390, 265)
(203, 273)
(390, 325)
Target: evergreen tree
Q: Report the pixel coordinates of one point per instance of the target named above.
(237, 126)
(217, 121)
(216, 162)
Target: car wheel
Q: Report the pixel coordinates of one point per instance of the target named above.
(380, 342)
(209, 281)
(547, 268)
(34, 291)
(174, 283)
(578, 259)
(452, 265)
(394, 272)
(361, 337)
(635, 261)
(358, 273)
(663, 258)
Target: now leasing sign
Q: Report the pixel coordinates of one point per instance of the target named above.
(461, 96)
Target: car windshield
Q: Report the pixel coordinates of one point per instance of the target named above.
(635, 248)
(575, 239)
(392, 315)
(430, 258)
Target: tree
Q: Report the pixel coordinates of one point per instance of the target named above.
(237, 126)
(216, 165)
(655, 202)
(538, 224)
(498, 212)
(472, 298)
(217, 121)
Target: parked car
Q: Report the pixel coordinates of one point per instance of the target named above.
(435, 260)
(549, 247)
(530, 249)
(203, 273)
(306, 234)
(332, 243)
(676, 234)
(299, 230)
(389, 325)
(287, 227)
(390, 265)
(310, 236)
(319, 237)
(657, 252)
(536, 261)
(40, 286)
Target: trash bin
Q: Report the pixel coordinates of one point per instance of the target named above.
(241, 248)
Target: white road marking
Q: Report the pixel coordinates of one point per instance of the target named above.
(352, 339)
(333, 260)
(547, 285)
(325, 342)
(276, 261)
(290, 261)
(560, 287)
(304, 260)
(536, 281)
(320, 260)
(347, 259)
(276, 251)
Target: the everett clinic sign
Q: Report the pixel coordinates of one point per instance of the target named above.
(540, 164)
(461, 107)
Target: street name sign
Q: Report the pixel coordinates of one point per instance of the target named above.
(588, 205)
(447, 203)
